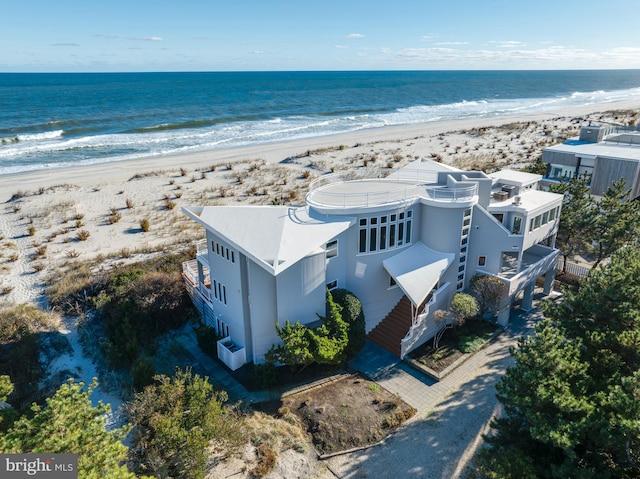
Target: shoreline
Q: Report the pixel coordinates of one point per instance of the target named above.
(276, 151)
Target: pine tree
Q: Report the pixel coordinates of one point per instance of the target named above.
(175, 419)
(572, 400)
(617, 223)
(577, 218)
(69, 423)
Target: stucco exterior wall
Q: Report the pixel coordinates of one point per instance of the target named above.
(262, 309)
(488, 239)
(301, 291)
(227, 273)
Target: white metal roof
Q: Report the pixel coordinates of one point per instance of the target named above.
(604, 148)
(275, 237)
(518, 178)
(417, 270)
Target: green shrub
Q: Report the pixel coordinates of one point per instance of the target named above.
(469, 344)
(353, 315)
(142, 373)
(138, 307)
(175, 419)
(264, 375)
(207, 340)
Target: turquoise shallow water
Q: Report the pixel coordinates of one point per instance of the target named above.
(50, 120)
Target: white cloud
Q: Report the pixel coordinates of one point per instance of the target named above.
(451, 43)
(340, 46)
(258, 52)
(65, 45)
(355, 35)
(429, 37)
(153, 39)
(507, 44)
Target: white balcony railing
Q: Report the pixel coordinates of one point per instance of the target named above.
(444, 193)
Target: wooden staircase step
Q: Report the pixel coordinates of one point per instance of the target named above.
(390, 331)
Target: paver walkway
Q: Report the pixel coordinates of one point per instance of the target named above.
(421, 391)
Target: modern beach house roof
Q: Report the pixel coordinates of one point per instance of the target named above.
(403, 241)
(603, 153)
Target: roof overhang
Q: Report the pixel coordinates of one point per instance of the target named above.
(417, 270)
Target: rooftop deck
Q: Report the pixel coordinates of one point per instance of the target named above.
(340, 192)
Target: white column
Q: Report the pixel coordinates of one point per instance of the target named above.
(549, 277)
(504, 312)
(527, 298)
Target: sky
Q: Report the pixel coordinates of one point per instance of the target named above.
(262, 35)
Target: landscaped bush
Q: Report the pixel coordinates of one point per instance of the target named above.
(207, 340)
(353, 315)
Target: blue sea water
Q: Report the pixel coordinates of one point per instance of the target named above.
(63, 119)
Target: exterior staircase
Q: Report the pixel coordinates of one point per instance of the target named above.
(389, 332)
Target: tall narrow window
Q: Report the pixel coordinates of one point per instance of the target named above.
(408, 235)
(392, 235)
(372, 238)
(363, 240)
(383, 237)
(400, 233)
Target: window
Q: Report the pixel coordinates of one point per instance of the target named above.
(223, 251)
(545, 217)
(385, 232)
(499, 216)
(219, 291)
(332, 285)
(331, 249)
(392, 282)
(517, 225)
(552, 214)
(363, 241)
(383, 237)
(372, 239)
(536, 222)
(482, 260)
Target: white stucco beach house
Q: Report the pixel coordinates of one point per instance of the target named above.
(404, 244)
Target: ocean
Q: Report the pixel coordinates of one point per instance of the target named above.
(66, 119)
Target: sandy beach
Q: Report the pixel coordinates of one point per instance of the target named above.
(68, 214)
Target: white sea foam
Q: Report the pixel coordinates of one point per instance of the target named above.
(47, 135)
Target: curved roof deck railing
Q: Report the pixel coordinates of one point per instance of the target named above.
(444, 193)
(363, 190)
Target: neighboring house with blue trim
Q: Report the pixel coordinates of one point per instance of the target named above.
(404, 244)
